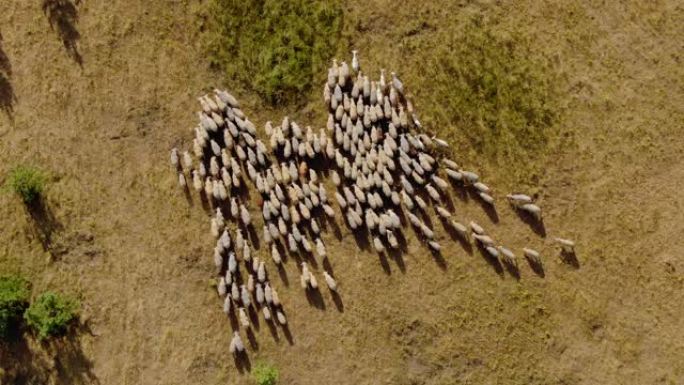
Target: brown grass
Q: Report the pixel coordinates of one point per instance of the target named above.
(139, 256)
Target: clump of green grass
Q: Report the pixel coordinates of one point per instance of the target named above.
(265, 374)
(50, 314)
(27, 182)
(273, 47)
(488, 87)
(14, 299)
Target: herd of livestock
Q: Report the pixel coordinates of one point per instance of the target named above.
(382, 167)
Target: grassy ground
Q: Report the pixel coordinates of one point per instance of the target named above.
(98, 110)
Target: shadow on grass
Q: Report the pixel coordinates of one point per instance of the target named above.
(60, 360)
(7, 96)
(43, 222)
(63, 16)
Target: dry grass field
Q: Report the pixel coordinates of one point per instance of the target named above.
(96, 93)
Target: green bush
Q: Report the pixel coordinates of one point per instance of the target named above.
(14, 298)
(50, 314)
(273, 47)
(27, 182)
(265, 374)
(485, 85)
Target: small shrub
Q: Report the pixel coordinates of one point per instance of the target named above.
(265, 374)
(50, 314)
(27, 182)
(14, 299)
(273, 47)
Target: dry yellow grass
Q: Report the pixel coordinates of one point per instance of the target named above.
(125, 241)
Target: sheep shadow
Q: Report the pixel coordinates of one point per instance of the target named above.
(44, 222)
(537, 225)
(397, 256)
(493, 262)
(462, 240)
(439, 259)
(7, 95)
(337, 300)
(382, 258)
(315, 298)
(252, 339)
(60, 360)
(570, 258)
(288, 334)
(63, 16)
(489, 209)
(512, 269)
(537, 267)
(242, 362)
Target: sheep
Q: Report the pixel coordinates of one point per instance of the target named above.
(426, 231)
(246, 252)
(330, 281)
(460, 229)
(226, 304)
(221, 287)
(442, 212)
(245, 216)
(470, 176)
(275, 254)
(377, 243)
(244, 320)
(267, 313)
(484, 240)
(440, 183)
(392, 240)
(181, 180)
(174, 158)
(481, 187)
(281, 317)
(434, 246)
(532, 209)
(276, 299)
(244, 296)
(532, 255)
(227, 98)
(397, 84)
(320, 248)
(268, 293)
(493, 252)
(567, 245)
(236, 345)
(218, 259)
(261, 272)
(456, 176)
(434, 194)
(508, 256)
(214, 228)
(477, 229)
(518, 199)
(250, 283)
(187, 160)
(329, 211)
(486, 198)
(232, 262)
(234, 291)
(259, 294)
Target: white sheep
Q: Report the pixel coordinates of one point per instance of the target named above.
(531, 208)
(236, 345)
(566, 244)
(477, 229)
(244, 320)
(532, 255)
(281, 317)
(226, 304)
(330, 281)
(275, 254)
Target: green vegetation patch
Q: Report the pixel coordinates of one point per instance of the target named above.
(27, 182)
(273, 47)
(265, 374)
(50, 314)
(14, 299)
(488, 87)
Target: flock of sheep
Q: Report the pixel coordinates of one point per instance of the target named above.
(380, 162)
